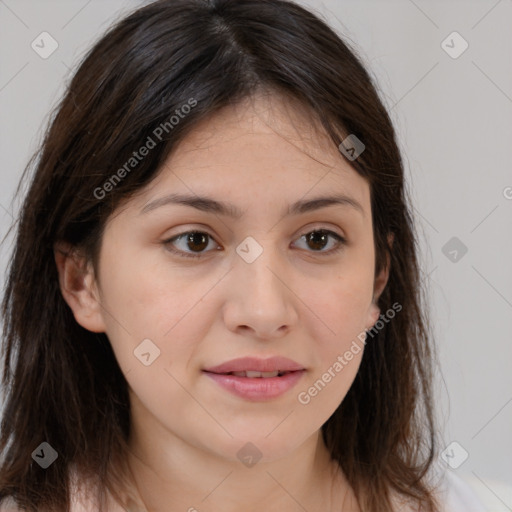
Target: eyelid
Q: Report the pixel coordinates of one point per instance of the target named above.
(321, 227)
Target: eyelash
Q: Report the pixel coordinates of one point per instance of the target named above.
(167, 243)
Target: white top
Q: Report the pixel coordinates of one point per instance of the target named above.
(454, 494)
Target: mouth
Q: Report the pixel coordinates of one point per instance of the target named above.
(252, 374)
(256, 379)
(254, 367)
(255, 386)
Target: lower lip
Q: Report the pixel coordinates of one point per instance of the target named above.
(257, 389)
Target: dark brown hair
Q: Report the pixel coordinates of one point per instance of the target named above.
(63, 384)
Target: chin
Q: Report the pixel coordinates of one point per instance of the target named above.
(252, 445)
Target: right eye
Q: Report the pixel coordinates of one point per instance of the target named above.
(189, 239)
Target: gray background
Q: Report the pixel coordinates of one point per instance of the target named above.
(454, 121)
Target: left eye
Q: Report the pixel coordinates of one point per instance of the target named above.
(198, 241)
(319, 240)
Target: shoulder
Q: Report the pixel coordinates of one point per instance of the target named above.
(83, 494)
(9, 505)
(80, 502)
(452, 493)
(455, 495)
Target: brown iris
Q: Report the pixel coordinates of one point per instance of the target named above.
(318, 238)
(199, 240)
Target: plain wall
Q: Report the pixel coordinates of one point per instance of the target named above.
(453, 117)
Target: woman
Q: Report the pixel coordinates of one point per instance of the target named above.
(214, 300)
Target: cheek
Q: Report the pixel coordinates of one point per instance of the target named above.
(146, 300)
(340, 307)
(340, 310)
(338, 331)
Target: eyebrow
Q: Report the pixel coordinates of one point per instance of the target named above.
(207, 204)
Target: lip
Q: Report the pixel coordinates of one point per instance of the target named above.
(271, 364)
(257, 389)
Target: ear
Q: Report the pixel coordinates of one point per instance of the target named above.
(378, 287)
(78, 287)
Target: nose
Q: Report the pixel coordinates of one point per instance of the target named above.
(261, 301)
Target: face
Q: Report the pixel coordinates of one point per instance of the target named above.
(272, 274)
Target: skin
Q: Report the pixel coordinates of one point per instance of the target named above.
(294, 300)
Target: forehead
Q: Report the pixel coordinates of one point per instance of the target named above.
(267, 126)
(263, 145)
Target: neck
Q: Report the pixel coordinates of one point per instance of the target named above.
(186, 478)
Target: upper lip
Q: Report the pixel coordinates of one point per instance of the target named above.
(255, 364)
